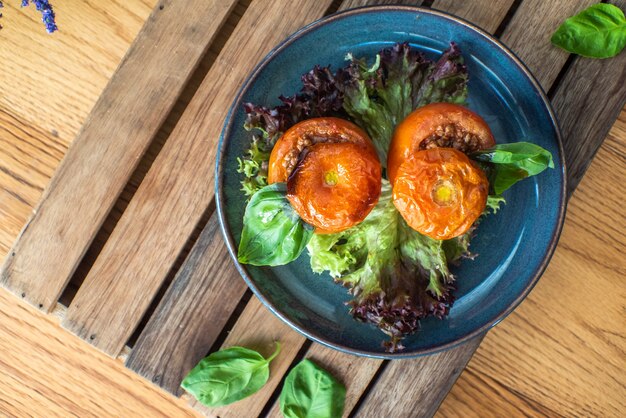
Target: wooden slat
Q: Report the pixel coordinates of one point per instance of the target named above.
(177, 189)
(108, 148)
(528, 35)
(587, 102)
(351, 4)
(418, 385)
(191, 314)
(487, 18)
(259, 335)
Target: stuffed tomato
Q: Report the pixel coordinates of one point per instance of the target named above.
(437, 189)
(332, 172)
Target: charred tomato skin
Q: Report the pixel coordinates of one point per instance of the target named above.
(440, 192)
(335, 185)
(309, 132)
(459, 127)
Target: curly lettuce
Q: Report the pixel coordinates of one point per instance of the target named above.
(396, 275)
(401, 79)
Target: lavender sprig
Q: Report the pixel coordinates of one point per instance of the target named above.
(47, 14)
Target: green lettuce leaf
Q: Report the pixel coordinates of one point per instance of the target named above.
(401, 79)
(254, 166)
(493, 203)
(396, 275)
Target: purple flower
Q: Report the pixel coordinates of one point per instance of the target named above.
(47, 14)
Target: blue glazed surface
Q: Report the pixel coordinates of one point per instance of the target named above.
(514, 246)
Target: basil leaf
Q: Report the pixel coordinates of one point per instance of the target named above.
(597, 32)
(514, 162)
(228, 375)
(273, 233)
(310, 391)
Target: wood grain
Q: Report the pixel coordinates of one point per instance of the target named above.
(108, 148)
(506, 377)
(529, 31)
(42, 111)
(487, 18)
(191, 314)
(47, 373)
(419, 385)
(177, 189)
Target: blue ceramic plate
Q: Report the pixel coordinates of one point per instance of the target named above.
(514, 246)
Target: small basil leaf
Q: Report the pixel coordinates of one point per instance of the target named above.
(311, 392)
(513, 162)
(273, 233)
(523, 154)
(228, 375)
(597, 32)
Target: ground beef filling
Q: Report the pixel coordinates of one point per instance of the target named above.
(303, 143)
(452, 136)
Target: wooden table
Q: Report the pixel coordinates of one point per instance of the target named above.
(146, 277)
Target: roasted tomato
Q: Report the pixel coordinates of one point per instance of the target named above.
(335, 185)
(437, 125)
(439, 192)
(306, 133)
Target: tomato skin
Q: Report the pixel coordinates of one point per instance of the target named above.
(425, 122)
(335, 186)
(306, 133)
(440, 192)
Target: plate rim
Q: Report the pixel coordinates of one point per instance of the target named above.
(232, 246)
